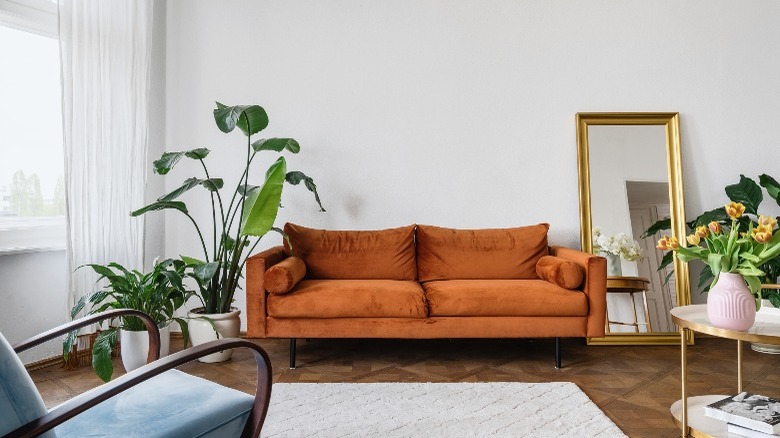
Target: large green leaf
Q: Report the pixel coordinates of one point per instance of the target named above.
(101, 354)
(295, 177)
(251, 119)
(191, 261)
(276, 144)
(705, 279)
(716, 215)
(166, 162)
(183, 188)
(204, 272)
(771, 185)
(747, 192)
(261, 206)
(211, 184)
(663, 224)
(68, 343)
(161, 205)
(169, 159)
(197, 154)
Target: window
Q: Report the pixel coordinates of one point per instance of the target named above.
(32, 190)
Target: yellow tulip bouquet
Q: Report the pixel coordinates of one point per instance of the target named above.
(726, 249)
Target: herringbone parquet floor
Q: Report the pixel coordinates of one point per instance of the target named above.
(633, 385)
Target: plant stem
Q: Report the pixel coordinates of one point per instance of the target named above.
(200, 235)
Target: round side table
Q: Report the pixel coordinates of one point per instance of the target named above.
(630, 286)
(689, 412)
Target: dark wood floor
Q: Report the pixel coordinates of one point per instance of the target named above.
(633, 385)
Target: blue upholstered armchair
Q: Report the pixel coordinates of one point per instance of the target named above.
(152, 401)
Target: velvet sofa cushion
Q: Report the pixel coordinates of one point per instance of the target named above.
(354, 255)
(20, 402)
(560, 272)
(508, 253)
(503, 298)
(173, 404)
(283, 276)
(350, 299)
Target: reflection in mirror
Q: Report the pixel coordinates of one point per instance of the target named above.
(626, 162)
(629, 192)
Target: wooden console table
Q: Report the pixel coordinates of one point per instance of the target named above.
(689, 412)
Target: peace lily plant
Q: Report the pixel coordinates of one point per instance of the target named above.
(158, 294)
(727, 249)
(239, 220)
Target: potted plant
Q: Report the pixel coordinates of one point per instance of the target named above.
(238, 222)
(748, 193)
(733, 258)
(158, 294)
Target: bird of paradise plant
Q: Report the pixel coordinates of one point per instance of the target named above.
(254, 207)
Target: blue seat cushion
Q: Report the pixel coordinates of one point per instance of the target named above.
(173, 404)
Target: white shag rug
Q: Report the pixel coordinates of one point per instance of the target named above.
(557, 409)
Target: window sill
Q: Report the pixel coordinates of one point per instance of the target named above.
(27, 235)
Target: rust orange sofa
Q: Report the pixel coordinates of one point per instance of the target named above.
(423, 282)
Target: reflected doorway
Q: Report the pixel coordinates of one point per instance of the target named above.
(648, 202)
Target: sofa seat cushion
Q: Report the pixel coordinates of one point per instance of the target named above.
(505, 253)
(350, 299)
(354, 255)
(503, 298)
(173, 404)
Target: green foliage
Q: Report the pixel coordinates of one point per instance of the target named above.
(237, 225)
(732, 252)
(158, 294)
(26, 198)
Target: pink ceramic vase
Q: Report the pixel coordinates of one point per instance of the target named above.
(730, 305)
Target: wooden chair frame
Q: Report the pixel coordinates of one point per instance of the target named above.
(153, 368)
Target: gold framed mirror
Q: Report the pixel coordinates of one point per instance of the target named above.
(630, 176)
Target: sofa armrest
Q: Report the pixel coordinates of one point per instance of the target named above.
(256, 294)
(594, 286)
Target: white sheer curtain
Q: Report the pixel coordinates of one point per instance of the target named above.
(105, 49)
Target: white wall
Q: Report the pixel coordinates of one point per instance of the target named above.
(32, 289)
(461, 113)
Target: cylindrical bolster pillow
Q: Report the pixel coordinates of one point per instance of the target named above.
(283, 276)
(560, 272)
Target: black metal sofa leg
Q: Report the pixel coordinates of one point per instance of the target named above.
(292, 353)
(557, 353)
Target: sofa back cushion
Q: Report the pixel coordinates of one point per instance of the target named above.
(354, 255)
(507, 253)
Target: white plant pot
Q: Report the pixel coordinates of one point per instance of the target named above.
(202, 331)
(772, 313)
(135, 346)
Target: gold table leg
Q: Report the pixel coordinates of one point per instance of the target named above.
(683, 366)
(739, 366)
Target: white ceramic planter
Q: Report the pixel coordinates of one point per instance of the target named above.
(201, 330)
(770, 313)
(135, 346)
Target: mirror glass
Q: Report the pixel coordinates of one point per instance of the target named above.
(629, 179)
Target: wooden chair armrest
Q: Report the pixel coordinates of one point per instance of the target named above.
(151, 327)
(80, 404)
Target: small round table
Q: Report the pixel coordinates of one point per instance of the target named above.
(689, 412)
(630, 286)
